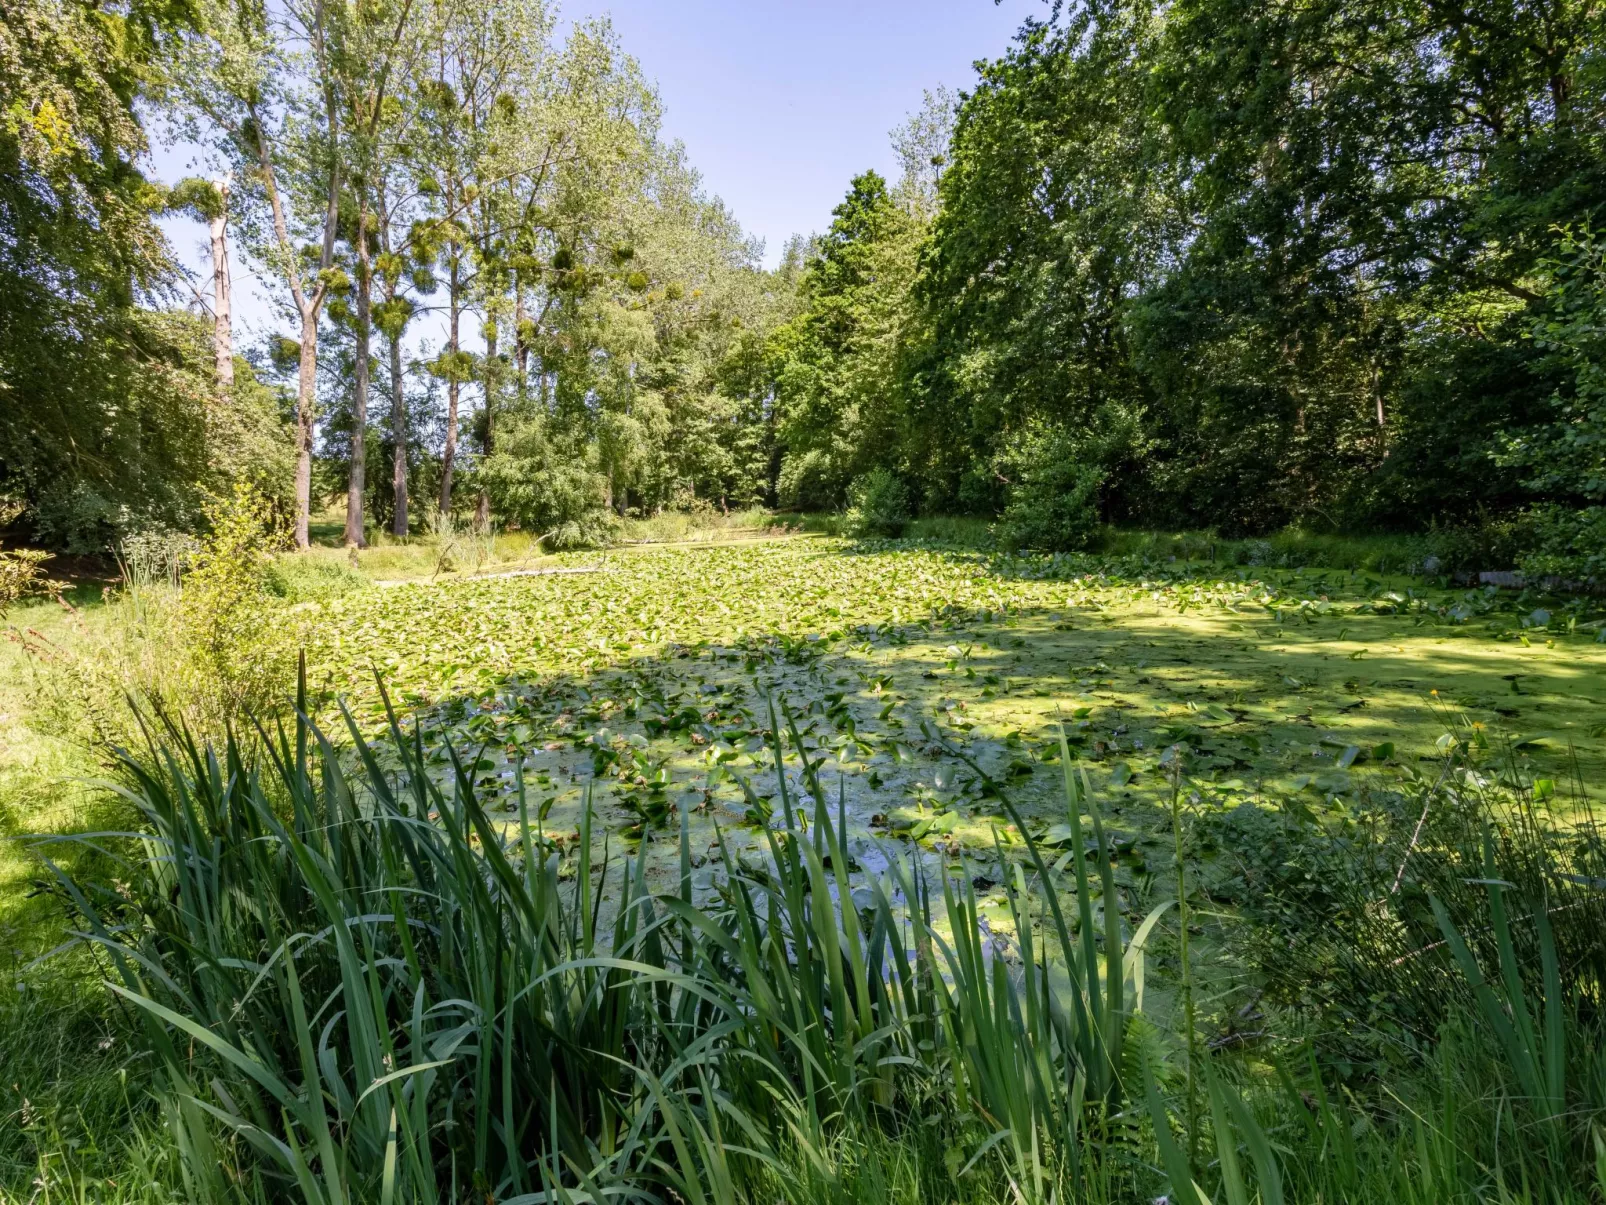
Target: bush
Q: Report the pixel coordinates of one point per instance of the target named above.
(157, 554)
(22, 573)
(595, 529)
(117, 426)
(812, 481)
(241, 657)
(549, 489)
(1053, 503)
(878, 505)
(1489, 543)
(1564, 543)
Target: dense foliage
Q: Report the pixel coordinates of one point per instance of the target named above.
(1327, 264)
(1196, 264)
(108, 416)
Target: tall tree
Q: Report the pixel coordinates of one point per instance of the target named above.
(380, 54)
(95, 435)
(836, 363)
(465, 69)
(402, 269)
(208, 201)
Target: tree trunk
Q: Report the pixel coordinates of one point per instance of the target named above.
(482, 509)
(222, 328)
(307, 306)
(398, 437)
(521, 349)
(449, 453)
(357, 483)
(306, 401)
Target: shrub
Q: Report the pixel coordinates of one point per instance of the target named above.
(597, 529)
(812, 481)
(300, 578)
(878, 505)
(22, 575)
(549, 489)
(240, 657)
(1489, 542)
(157, 554)
(1564, 543)
(22, 572)
(1053, 502)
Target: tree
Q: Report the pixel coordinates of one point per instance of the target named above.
(1300, 248)
(836, 362)
(379, 57)
(401, 263)
(922, 144)
(488, 71)
(1055, 213)
(232, 85)
(101, 427)
(208, 200)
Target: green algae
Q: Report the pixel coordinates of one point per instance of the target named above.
(914, 686)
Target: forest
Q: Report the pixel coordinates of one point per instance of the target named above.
(1169, 267)
(1079, 681)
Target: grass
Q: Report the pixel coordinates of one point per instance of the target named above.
(707, 526)
(580, 1035)
(925, 685)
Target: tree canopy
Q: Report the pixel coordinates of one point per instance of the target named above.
(1198, 263)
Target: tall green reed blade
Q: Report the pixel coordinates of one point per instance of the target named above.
(1172, 1157)
(1535, 1053)
(1231, 1118)
(1095, 1029)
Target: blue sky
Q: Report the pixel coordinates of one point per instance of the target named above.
(779, 103)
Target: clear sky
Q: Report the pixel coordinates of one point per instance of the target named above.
(779, 102)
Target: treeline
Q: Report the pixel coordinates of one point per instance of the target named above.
(504, 293)
(1199, 264)
(1227, 265)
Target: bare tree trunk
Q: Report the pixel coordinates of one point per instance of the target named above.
(521, 349)
(482, 509)
(449, 453)
(357, 482)
(398, 437)
(307, 305)
(306, 401)
(222, 328)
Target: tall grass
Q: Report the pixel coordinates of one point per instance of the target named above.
(357, 985)
(704, 525)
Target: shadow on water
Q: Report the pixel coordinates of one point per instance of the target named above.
(1296, 707)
